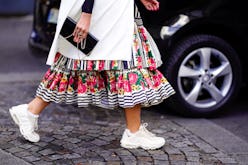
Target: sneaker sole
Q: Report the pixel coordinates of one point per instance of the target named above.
(130, 146)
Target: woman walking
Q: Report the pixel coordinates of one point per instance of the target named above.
(120, 72)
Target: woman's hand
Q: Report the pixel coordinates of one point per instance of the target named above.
(152, 5)
(82, 27)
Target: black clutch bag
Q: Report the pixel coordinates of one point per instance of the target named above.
(86, 45)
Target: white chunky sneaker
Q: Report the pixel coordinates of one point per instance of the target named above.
(26, 121)
(142, 138)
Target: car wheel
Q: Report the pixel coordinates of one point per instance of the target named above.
(206, 74)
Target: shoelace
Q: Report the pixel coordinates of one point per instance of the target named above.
(36, 124)
(143, 128)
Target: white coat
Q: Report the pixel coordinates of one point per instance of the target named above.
(112, 23)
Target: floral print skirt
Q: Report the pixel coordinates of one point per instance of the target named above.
(109, 84)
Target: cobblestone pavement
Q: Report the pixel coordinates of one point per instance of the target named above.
(80, 136)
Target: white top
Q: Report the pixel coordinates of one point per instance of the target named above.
(112, 22)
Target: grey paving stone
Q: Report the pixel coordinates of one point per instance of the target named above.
(80, 150)
(55, 157)
(23, 154)
(73, 140)
(60, 137)
(144, 163)
(41, 144)
(206, 147)
(144, 158)
(161, 162)
(109, 156)
(158, 152)
(193, 159)
(129, 162)
(99, 142)
(188, 149)
(172, 150)
(96, 162)
(123, 152)
(35, 148)
(31, 158)
(68, 128)
(177, 157)
(193, 163)
(193, 154)
(139, 152)
(14, 149)
(69, 146)
(42, 162)
(79, 161)
(63, 162)
(227, 160)
(160, 157)
(127, 158)
(177, 162)
(57, 142)
(47, 139)
(17, 142)
(46, 152)
(26, 146)
(71, 156)
(113, 163)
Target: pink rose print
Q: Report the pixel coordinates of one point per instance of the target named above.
(156, 80)
(133, 77)
(148, 81)
(62, 86)
(55, 81)
(113, 87)
(89, 65)
(75, 64)
(92, 90)
(71, 80)
(142, 31)
(93, 80)
(47, 74)
(159, 74)
(152, 64)
(139, 59)
(145, 47)
(101, 65)
(81, 87)
(120, 81)
(127, 86)
(51, 76)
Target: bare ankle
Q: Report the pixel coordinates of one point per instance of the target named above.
(32, 110)
(133, 129)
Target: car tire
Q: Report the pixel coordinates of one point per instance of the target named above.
(219, 78)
